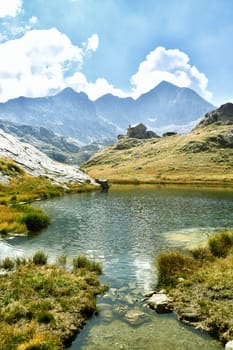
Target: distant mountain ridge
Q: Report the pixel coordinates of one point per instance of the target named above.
(71, 114)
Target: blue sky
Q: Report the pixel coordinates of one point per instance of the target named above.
(125, 47)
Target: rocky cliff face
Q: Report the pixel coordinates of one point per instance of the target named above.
(36, 163)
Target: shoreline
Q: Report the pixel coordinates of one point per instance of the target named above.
(46, 305)
(199, 284)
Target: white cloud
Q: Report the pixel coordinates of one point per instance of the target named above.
(42, 62)
(172, 66)
(160, 64)
(10, 8)
(36, 64)
(33, 20)
(93, 43)
(93, 89)
(3, 37)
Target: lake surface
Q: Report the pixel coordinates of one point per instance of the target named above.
(125, 229)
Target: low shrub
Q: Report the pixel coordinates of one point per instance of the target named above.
(40, 258)
(221, 243)
(172, 265)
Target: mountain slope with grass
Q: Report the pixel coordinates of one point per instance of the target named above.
(205, 155)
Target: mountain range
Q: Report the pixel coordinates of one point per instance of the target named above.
(71, 114)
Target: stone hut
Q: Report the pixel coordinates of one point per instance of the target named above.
(139, 131)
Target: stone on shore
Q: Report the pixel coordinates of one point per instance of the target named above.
(229, 345)
(160, 303)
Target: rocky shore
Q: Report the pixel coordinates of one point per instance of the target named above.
(198, 287)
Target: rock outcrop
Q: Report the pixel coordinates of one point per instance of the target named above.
(221, 116)
(60, 148)
(37, 163)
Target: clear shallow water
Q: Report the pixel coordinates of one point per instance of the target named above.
(125, 229)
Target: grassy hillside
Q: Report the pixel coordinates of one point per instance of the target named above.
(205, 155)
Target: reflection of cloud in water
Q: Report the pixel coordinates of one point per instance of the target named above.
(189, 238)
(145, 277)
(7, 249)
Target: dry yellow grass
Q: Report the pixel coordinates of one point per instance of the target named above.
(197, 157)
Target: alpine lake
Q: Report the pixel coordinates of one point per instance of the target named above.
(125, 229)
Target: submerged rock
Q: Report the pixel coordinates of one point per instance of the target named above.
(135, 316)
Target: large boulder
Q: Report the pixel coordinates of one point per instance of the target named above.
(222, 116)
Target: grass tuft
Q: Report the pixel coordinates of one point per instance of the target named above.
(7, 263)
(172, 265)
(83, 262)
(221, 244)
(40, 258)
(35, 219)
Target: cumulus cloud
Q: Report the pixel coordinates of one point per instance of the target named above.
(42, 62)
(36, 63)
(10, 8)
(160, 64)
(93, 89)
(170, 65)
